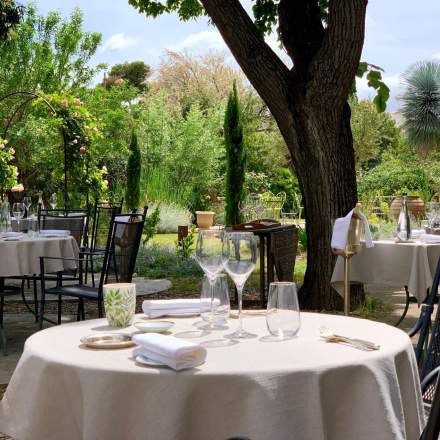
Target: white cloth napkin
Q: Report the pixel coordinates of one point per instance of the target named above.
(11, 234)
(178, 354)
(57, 232)
(340, 231)
(170, 307)
(430, 238)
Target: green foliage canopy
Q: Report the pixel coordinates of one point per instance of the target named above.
(132, 195)
(135, 73)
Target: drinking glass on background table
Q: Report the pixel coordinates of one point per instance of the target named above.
(283, 316)
(28, 203)
(217, 317)
(53, 201)
(240, 251)
(209, 255)
(18, 209)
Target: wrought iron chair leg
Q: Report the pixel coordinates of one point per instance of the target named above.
(92, 272)
(42, 304)
(87, 268)
(83, 312)
(59, 310)
(35, 299)
(405, 311)
(100, 309)
(78, 312)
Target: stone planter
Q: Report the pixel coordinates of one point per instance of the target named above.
(119, 303)
(205, 219)
(416, 207)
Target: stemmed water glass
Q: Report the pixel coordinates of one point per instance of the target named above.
(209, 255)
(18, 209)
(28, 203)
(53, 201)
(240, 252)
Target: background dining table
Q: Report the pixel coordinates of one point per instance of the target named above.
(302, 388)
(392, 264)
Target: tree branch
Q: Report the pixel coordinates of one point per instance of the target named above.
(335, 65)
(264, 69)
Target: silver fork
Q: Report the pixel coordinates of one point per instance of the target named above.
(361, 344)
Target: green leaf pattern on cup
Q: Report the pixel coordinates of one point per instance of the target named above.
(120, 306)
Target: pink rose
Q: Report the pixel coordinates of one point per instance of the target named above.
(18, 188)
(65, 103)
(82, 150)
(2, 146)
(77, 101)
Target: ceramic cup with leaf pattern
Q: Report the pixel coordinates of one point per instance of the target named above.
(119, 303)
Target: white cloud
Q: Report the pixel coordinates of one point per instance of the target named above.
(203, 41)
(436, 56)
(118, 42)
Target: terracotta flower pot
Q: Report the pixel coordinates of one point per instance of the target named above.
(416, 207)
(205, 219)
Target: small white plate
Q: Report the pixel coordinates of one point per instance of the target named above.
(153, 326)
(140, 359)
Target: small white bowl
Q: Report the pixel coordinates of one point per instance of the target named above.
(153, 326)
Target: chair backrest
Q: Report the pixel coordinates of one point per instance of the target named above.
(101, 218)
(432, 428)
(284, 244)
(124, 237)
(73, 220)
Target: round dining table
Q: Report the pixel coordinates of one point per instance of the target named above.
(302, 388)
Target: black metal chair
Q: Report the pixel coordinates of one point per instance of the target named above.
(423, 324)
(119, 259)
(432, 428)
(94, 245)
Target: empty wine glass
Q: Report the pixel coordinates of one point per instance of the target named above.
(240, 251)
(18, 209)
(53, 201)
(283, 316)
(217, 317)
(209, 255)
(28, 203)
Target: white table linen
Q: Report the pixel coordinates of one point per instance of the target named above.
(301, 389)
(174, 352)
(22, 257)
(155, 308)
(392, 264)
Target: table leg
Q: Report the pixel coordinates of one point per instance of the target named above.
(262, 273)
(405, 311)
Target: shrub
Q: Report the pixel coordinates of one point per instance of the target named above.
(171, 216)
(132, 195)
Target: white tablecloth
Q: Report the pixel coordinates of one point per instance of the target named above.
(392, 264)
(298, 389)
(19, 258)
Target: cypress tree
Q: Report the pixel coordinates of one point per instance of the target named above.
(235, 158)
(132, 191)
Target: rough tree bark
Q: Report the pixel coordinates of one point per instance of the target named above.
(309, 103)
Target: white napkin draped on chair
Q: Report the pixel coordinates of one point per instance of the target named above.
(341, 227)
(178, 354)
(173, 307)
(430, 238)
(54, 232)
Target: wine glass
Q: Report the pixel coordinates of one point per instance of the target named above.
(53, 201)
(18, 209)
(217, 317)
(28, 203)
(209, 255)
(283, 316)
(240, 251)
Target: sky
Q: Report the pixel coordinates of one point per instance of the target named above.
(398, 34)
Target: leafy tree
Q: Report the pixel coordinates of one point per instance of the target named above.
(10, 16)
(49, 54)
(135, 73)
(324, 39)
(235, 159)
(421, 105)
(132, 195)
(373, 133)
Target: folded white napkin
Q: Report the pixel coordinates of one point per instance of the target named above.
(340, 231)
(11, 234)
(176, 353)
(430, 238)
(57, 232)
(170, 307)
